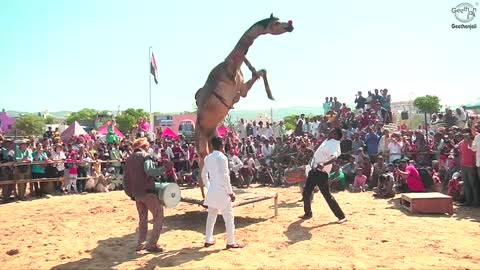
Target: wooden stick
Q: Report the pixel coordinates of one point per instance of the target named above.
(21, 163)
(24, 181)
(258, 199)
(275, 205)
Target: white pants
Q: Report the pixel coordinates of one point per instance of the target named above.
(229, 224)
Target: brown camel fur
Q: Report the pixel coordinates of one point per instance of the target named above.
(225, 85)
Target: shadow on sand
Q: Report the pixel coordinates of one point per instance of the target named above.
(298, 233)
(114, 251)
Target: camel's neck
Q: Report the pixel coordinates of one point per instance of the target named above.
(242, 46)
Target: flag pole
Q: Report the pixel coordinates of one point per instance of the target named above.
(150, 117)
(150, 77)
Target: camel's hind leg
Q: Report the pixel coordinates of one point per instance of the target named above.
(202, 142)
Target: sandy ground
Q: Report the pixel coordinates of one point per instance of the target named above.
(97, 231)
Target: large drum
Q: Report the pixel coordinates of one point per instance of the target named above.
(168, 193)
(297, 174)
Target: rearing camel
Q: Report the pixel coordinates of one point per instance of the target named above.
(225, 85)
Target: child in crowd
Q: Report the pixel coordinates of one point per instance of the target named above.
(71, 180)
(359, 181)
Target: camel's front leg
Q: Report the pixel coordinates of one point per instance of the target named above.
(248, 85)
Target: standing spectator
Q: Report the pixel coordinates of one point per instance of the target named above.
(24, 156)
(360, 101)
(299, 125)
(327, 105)
(38, 170)
(467, 163)
(422, 150)
(383, 143)
(372, 139)
(241, 129)
(386, 98)
(395, 147)
(58, 155)
(8, 155)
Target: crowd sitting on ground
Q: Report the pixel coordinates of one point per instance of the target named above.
(377, 155)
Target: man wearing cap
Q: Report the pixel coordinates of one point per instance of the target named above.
(321, 165)
(139, 184)
(24, 157)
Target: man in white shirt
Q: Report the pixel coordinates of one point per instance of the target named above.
(321, 165)
(314, 127)
(220, 194)
(169, 151)
(241, 129)
(235, 162)
(267, 149)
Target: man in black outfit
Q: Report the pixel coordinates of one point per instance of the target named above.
(321, 165)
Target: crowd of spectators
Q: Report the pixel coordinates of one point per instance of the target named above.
(376, 154)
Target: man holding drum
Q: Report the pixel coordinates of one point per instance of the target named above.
(220, 195)
(321, 165)
(139, 184)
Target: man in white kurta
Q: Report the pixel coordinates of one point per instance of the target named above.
(220, 195)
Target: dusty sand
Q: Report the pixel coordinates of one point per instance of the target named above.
(97, 231)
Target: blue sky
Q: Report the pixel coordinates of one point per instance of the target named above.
(68, 54)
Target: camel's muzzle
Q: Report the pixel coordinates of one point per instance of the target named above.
(290, 28)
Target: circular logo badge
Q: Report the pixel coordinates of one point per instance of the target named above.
(464, 12)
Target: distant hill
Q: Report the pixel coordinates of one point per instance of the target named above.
(278, 113)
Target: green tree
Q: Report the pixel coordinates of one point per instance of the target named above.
(290, 121)
(129, 117)
(83, 114)
(427, 105)
(30, 124)
(49, 120)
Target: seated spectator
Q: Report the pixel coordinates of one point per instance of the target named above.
(412, 182)
(336, 179)
(170, 174)
(245, 174)
(385, 186)
(455, 187)
(349, 170)
(359, 182)
(379, 168)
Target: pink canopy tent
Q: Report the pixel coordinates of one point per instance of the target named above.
(471, 113)
(104, 130)
(73, 130)
(222, 130)
(170, 133)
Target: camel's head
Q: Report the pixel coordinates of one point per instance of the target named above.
(274, 26)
